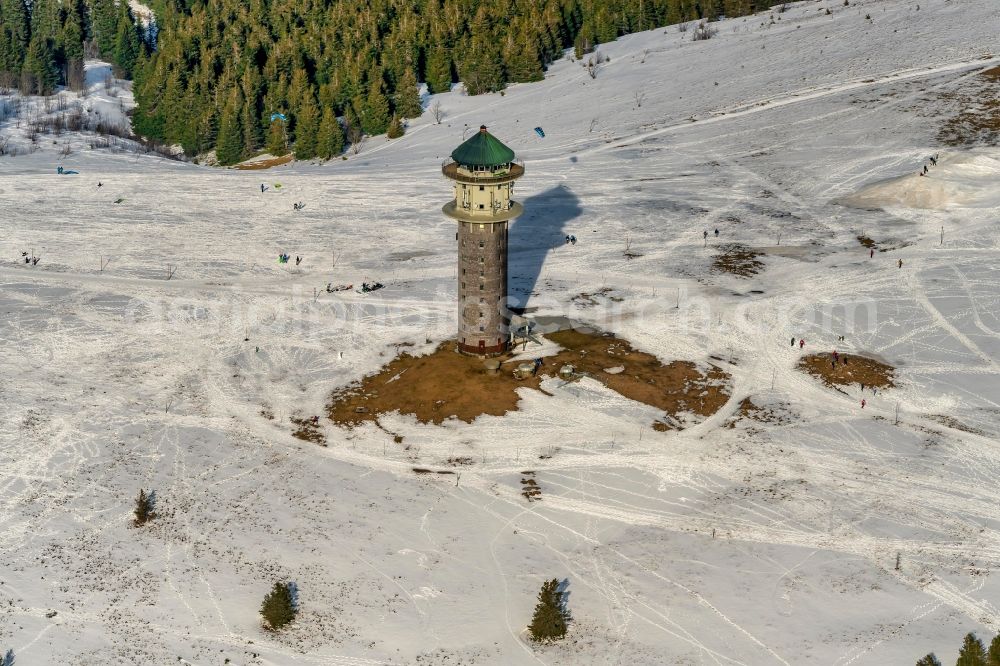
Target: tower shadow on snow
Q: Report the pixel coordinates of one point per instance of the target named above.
(540, 230)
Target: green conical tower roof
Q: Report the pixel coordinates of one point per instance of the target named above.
(482, 150)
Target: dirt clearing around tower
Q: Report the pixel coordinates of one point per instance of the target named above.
(447, 385)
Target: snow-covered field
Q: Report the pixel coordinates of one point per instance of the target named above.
(764, 543)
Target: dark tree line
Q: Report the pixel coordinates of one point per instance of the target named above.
(973, 653)
(43, 43)
(225, 68)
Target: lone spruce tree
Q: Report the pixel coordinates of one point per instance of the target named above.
(929, 660)
(972, 653)
(278, 608)
(143, 509)
(551, 616)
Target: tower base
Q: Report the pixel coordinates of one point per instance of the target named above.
(483, 350)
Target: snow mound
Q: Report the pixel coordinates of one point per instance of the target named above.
(962, 179)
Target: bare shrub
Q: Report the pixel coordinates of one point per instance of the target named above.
(704, 31)
(356, 137)
(594, 63)
(437, 111)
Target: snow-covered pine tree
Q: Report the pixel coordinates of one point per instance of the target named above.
(929, 660)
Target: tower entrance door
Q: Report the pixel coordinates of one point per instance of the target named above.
(482, 346)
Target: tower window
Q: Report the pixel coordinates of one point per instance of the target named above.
(481, 288)
(481, 207)
(463, 284)
(481, 243)
(481, 188)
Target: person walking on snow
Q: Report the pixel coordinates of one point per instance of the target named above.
(793, 341)
(863, 403)
(802, 343)
(900, 263)
(871, 255)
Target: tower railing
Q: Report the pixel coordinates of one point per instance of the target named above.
(499, 174)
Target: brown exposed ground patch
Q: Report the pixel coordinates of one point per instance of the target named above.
(446, 385)
(857, 370)
(954, 423)
(260, 165)
(737, 259)
(977, 120)
(751, 411)
(308, 430)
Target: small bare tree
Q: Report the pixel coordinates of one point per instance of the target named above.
(640, 97)
(437, 111)
(629, 253)
(356, 136)
(594, 63)
(593, 124)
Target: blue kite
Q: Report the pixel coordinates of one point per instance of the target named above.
(281, 116)
(64, 172)
(539, 132)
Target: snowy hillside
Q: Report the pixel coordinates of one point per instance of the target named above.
(758, 536)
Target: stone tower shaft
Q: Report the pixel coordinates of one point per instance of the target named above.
(483, 171)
